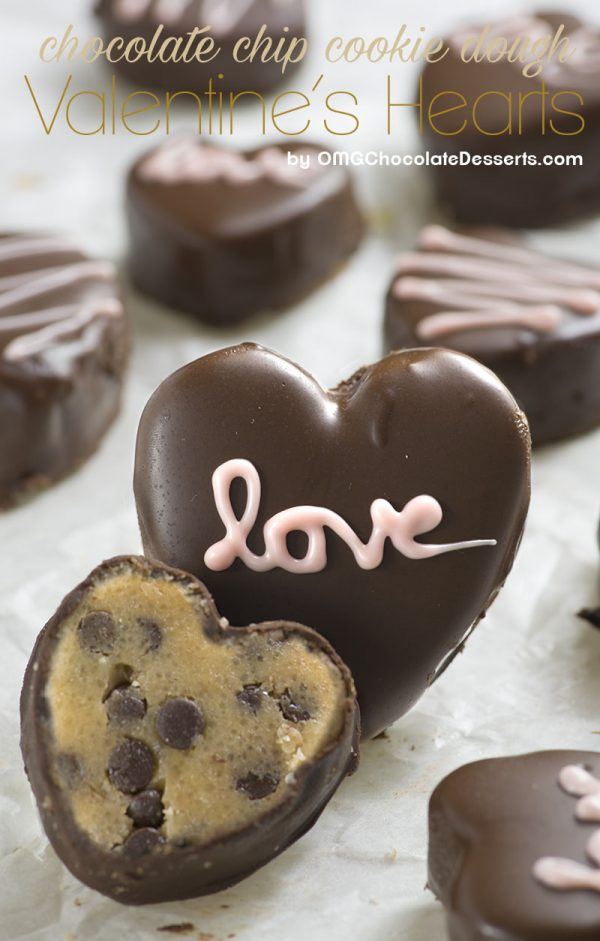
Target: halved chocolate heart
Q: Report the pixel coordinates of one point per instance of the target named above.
(175, 769)
(292, 501)
(222, 234)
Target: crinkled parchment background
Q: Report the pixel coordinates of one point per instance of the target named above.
(529, 677)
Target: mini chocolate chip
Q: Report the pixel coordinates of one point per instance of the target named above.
(146, 809)
(131, 766)
(257, 786)
(251, 696)
(123, 705)
(69, 768)
(179, 722)
(152, 634)
(142, 842)
(97, 632)
(291, 710)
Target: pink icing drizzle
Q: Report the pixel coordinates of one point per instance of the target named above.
(221, 15)
(567, 874)
(491, 284)
(188, 161)
(420, 515)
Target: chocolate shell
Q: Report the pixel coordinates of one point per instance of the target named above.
(171, 755)
(64, 345)
(386, 513)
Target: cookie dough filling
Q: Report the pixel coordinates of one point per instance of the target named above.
(166, 729)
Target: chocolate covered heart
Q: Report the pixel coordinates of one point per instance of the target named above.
(510, 119)
(514, 848)
(169, 754)
(533, 319)
(504, 129)
(183, 28)
(222, 234)
(385, 513)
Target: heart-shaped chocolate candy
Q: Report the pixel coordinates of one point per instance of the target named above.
(292, 501)
(514, 848)
(170, 755)
(223, 234)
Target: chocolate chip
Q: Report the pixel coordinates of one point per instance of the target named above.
(257, 786)
(152, 634)
(142, 842)
(131, 766)
(179, 723)
(146, 809)
(69, 768)
(251, 696)
(124, 705)
(97, 632)
(291, 710)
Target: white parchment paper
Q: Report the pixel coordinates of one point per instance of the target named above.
(529, 676)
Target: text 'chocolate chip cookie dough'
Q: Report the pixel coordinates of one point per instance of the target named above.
(170, 754)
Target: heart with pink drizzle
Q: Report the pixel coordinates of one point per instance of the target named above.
(386, 513)
(514, 848)
(533, 319)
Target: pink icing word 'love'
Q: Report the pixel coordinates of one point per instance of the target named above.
(420, 515)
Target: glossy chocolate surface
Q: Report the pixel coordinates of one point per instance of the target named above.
(230, 20)
(489, 824)
(424, 422)
(63, 350)
(532, 319)
(223, 235)
(150, 866)
(518, 194)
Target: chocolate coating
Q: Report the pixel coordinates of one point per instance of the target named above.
(489, 823)
(536, 320)
(223, 235)
(230, 20)
(63, 351)
(150, 781)
(519, 195)
(420, 422)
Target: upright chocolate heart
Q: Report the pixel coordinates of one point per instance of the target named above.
(423, 440)
(222, 234)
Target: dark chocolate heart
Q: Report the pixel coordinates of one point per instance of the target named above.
(533, 319)
(514, 848)
(418, 427)
(272, 21)
(222, 234)
(505, 156)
